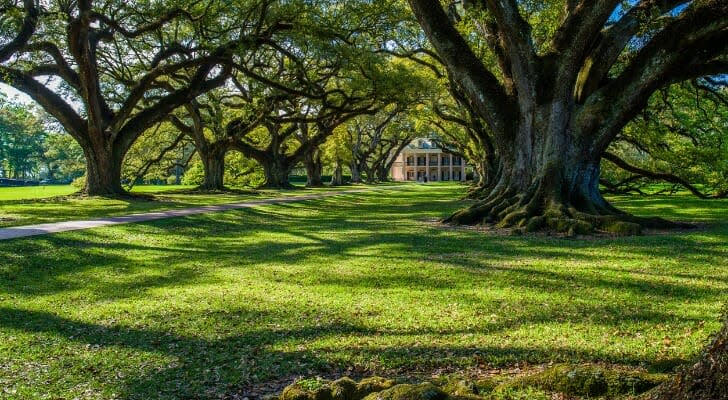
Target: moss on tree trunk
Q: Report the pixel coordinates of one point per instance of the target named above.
(550, 181)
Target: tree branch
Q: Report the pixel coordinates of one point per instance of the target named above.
(655, 175)
(491, 100)
(26, 31)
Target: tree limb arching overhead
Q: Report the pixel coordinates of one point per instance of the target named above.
(554, 104)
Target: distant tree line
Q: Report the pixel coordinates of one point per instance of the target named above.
(31, 149)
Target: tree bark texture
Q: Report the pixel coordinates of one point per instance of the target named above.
(103, 170)
(213, 164)
(337, 179)
(552, 116)
(314, 168)
(355, 172)
(276, 171)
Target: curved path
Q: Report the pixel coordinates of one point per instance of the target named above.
(65, 226)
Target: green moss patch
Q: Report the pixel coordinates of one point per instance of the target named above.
(589, 381)
(340, 389)
(583, 381)
(622, 228)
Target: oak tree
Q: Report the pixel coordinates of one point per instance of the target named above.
(554, 101)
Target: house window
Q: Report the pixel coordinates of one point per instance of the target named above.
(456, 160)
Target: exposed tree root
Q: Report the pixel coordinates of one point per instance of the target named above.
(477, 192)
(533, 210)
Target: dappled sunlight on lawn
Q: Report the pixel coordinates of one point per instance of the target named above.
(205, 305)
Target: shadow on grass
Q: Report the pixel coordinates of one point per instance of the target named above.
(381, 231)
(206, 368)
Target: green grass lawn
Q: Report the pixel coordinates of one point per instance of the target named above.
(204, 306)
(41, 204)
(43, 192)
(35, 192)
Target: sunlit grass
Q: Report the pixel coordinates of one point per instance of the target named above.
(203, 306)
(46, 191)
(35, 192)
(33, 205)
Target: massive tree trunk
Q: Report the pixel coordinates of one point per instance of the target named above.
(277, 172)
(337, 179)
(103, 170)
(382, 172)
(314, 168)
(553, 115)
(550, 179)
(355, 172)
(213, 163)
(369, 172)
(482, 170)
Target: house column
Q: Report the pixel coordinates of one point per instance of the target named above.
(439, 167)
(427, 166)
(450, 156)
(426, 175)
(404, 166)
(417, 167)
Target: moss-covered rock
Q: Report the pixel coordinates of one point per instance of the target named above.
(580, 228)
(560, 224)
(536, 223)
(341, 389)
(307, 390)
(344, 389)
(460, 388)
(372, 385)
(588, 380)
(622, 228)
(423, 391)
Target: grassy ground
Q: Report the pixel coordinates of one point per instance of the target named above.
(41, 204)
(35, 192)
(205, 306)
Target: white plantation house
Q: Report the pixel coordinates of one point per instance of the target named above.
(424, 161)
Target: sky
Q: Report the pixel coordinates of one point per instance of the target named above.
(14, 95)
